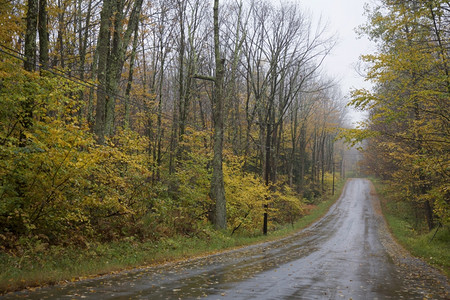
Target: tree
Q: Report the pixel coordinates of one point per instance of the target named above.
(253, 138)
(217, 185)
(281, 56)
(43, 34)
(111, 52)
(30, 35)
(408, 126)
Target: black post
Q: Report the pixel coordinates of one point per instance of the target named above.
(266, 206)
(332, 193)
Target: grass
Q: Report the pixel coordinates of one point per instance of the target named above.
(43, 265)
(432, 246)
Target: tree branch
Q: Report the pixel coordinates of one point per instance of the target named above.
(203, 77)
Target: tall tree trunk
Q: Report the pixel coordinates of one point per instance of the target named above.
(43, 35)
(111, 63)
(82, 45)
(294, 140)
(60, 39)
(90, 108)
(302, 154)
(130, 77)
(232, 93)
(30, 66)
(181, 75)
(103, 53)
(30, 36)
(217, 185)
(314, 157)
(159, 130)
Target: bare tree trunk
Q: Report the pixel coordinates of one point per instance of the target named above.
(30, 36)
(314, 157)
(110, 63)
(217, 185)
(159, 131)
(130, 77)
(82, 39)
(302, 155)
(233, 89)
(30, 66)
(103, 52)
(60, 41)
(90, 108)
(173, 139)
(181, 87)
(294, 141)
(43, 35)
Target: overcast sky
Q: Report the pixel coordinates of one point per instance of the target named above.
(343, 16)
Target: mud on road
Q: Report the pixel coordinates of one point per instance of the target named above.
(348, 254)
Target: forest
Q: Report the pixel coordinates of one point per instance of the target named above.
(152, 119)
(406, 135)
(131, 128)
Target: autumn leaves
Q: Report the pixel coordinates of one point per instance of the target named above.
(408, 128)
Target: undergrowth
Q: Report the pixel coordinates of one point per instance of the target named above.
(432, 246)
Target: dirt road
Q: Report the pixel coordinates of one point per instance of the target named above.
(348, 254)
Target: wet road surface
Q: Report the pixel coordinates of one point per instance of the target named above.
(348, 254)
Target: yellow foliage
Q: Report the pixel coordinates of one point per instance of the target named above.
(407, 129)
(246, 196)
(288, 206)
(54, 179)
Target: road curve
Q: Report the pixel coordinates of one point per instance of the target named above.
(348, 254)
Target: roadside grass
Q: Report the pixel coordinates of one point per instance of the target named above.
(44, 265)
(433, 246)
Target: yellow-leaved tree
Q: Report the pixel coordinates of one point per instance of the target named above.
(407, 132)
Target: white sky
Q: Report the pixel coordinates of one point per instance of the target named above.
(343, 16)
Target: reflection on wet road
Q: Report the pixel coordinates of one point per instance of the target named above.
(348, 254)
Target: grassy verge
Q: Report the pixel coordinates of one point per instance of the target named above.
(43, 265)
(433, 246)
